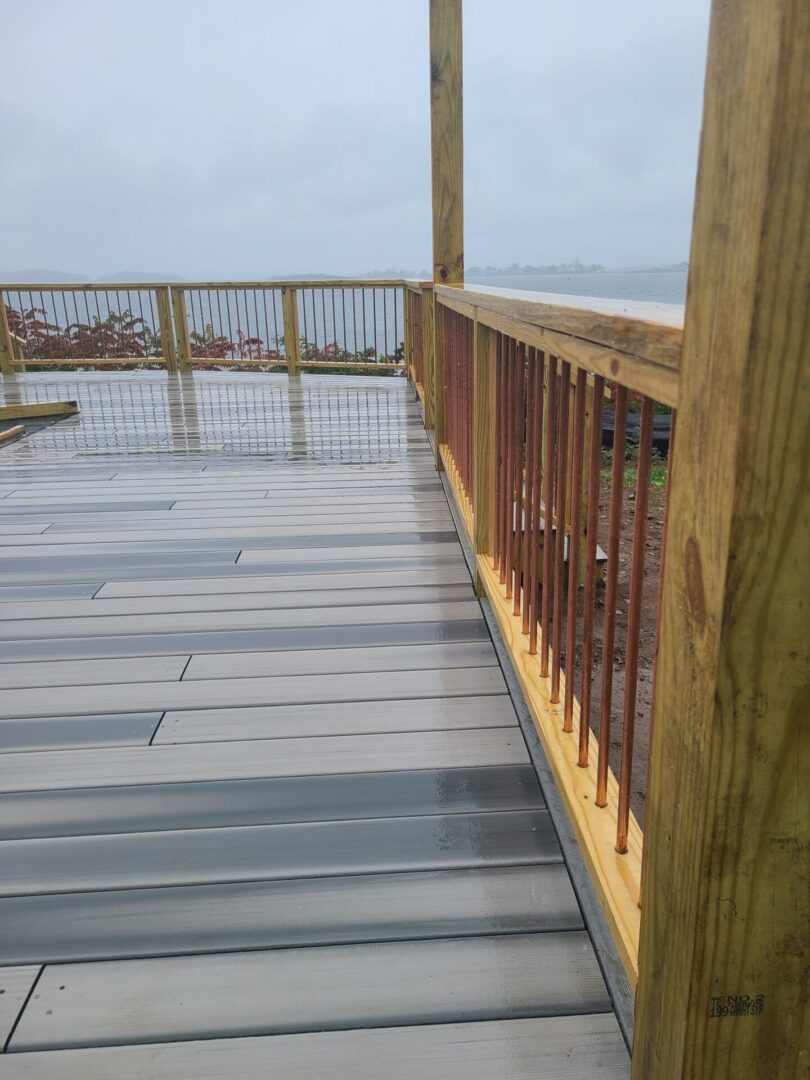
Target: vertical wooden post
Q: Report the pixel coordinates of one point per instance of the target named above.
(406, 333)
(428, 355)
(439, 385)
(6, 342)
(484, 441)
(446, 146)
(181, 337)
(446, 139)
(725, 923)
(292, 341)
(166, 331)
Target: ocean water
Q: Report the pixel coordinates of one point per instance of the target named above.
(660, 286)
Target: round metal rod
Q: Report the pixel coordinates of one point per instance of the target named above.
(634, 621)
(611, 585)
(548, 513)
(573, 547)
(589, 596)
(559, 535)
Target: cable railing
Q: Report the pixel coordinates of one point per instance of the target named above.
(333, 325)
(555, 421)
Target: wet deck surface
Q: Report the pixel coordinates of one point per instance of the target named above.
(265, 808)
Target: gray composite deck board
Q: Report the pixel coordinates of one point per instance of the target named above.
(314, 581)
(264, 803)
(540, 1048)
(308, 638)
(78, 732)
(15, 986)
(313, 989)
(92, 672)
(235, 601)
(264, 852)
(266, 757)
(184, 920)
(267, 801)
(352, 718)
(333, 661)
(269, 690)
(276, 539)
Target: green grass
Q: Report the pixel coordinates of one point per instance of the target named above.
(658, 467)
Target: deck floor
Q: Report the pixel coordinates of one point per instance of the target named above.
(265, 807)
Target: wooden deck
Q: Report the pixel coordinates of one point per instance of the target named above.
(265, 807)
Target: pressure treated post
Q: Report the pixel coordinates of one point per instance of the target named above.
(165, 324)
(724, 926)
(181, 328)
(429, 355)
(484, 443)
(292, 342)
(446, 141)
(446, 147)
(6, 342)
(439, 384)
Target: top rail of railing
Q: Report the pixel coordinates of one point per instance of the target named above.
(271, 283)
(637, 343)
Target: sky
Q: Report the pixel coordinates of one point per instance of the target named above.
(259, 138)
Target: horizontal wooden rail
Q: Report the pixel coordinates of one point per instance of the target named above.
(280, 283)
(636, 344)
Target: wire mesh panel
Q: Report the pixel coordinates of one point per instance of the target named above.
(229, 323)
(351, 326)
(84, 325)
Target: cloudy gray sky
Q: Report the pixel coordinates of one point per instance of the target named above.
(249, 138)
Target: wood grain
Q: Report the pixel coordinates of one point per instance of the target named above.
(446, 133)
(725, 922)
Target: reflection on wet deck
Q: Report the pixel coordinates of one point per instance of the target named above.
(322, 418)
(264, 801)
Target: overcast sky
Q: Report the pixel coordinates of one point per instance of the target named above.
(249, 138)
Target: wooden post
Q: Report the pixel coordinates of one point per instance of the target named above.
(446, 138)
(484, 440)
(292, 341)
(725, 924)
(406, 335)
(6, 342)
(165, 324)
(446, 146)
(439, 432)
(427, 300)
(181, 328)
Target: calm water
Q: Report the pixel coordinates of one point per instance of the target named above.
(663, 287)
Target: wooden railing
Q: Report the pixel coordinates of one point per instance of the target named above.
(553, 416)
(343, 325)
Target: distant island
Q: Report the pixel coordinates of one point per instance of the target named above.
(59, 277)
(575, 267)
(516, 270)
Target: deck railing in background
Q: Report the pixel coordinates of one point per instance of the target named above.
(554, 418)
(345, 325)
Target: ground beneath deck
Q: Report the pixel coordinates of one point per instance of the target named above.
(265, 808)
